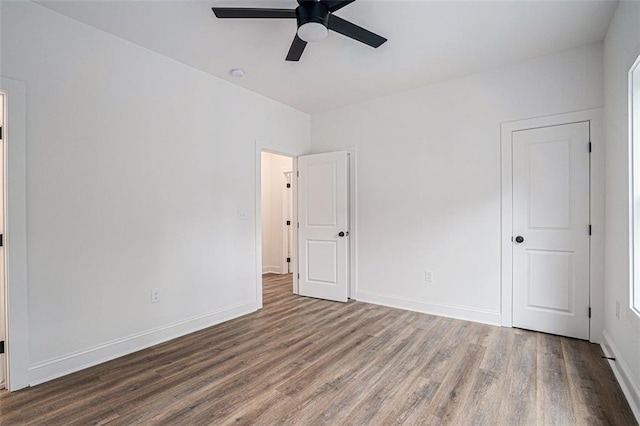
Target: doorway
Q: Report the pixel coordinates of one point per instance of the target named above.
(277, 216)
(318, 187)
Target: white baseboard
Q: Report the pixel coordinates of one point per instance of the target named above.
(623, 374)
(271, 269)
(76, 361)
(440, 309)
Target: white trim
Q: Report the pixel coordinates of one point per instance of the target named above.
(440, 309)
(287, 198)
(596, 260)
(271, 269)
(264, 146)
(3, 278)
(76, 361)
(633, 314)
(353, 222)
(17, 312)
(621, 370)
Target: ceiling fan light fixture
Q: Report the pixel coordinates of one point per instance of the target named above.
(313, 31)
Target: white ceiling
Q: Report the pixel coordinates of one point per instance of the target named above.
(429, 41)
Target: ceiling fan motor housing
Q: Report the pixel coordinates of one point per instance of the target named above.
(312, 12)
(313, 21)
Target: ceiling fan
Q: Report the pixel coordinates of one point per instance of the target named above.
(315, 18)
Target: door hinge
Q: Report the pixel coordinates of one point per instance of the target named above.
(589, 311)
(590, 229)
(288, 260)
(2, 347)
(590, 146)
(288, 223)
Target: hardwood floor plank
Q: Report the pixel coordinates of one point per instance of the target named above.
(553, 397)
(518, 403)
(338, 377)
(308, 361)
(391, 386)
(339, 405)
(456, 385)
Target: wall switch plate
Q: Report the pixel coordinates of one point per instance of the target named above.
(155, 295)
(428, 276)
(242, 214)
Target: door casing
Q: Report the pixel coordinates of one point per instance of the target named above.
(596, 257)
(15, 195)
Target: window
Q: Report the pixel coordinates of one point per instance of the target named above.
(634, 139)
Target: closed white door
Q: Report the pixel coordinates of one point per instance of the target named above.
(323, 236)
(551, 229)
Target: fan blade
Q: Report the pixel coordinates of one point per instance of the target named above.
(355, 32)
(246, 12)
(296, 49)
(334, 5)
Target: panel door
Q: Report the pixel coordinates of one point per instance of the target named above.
(323, 236)
(551, 229)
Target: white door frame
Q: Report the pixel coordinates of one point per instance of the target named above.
(287, 201)
(596, 196)
(15, 191)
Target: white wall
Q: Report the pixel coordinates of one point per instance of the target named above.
(136, 168)
(273, 211)
(429, 178)
(621, 48)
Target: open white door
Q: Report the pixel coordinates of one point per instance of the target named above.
(551, 229)
(323, 235)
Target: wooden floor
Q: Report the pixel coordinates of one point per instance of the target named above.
(307, 361)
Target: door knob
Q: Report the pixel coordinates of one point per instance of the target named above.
(343, 234)
(519, 239)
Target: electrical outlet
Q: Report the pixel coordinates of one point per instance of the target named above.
(617, 309)
(155, 295)
(428, 276)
